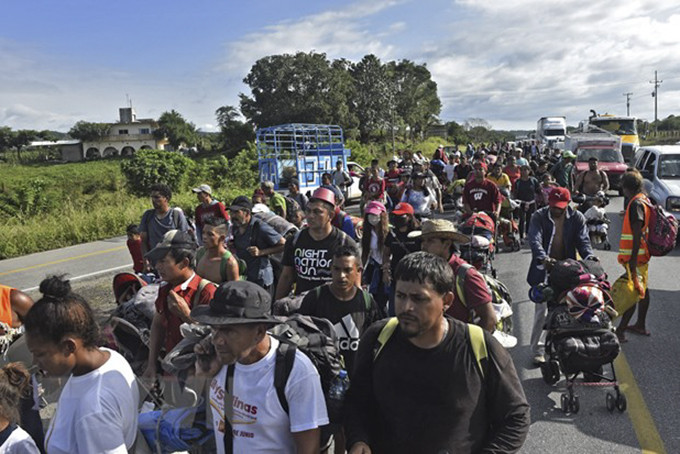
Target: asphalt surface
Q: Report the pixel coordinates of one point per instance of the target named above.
(652, 360)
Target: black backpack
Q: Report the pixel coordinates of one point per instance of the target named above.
(292, 206)
(316, 338)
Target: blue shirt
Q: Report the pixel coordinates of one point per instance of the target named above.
(263, 236)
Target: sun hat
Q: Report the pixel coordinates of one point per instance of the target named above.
(374, 207)
(236, 303)
(203, 188)
(559, 198)
(173, 239)
(568, 155)
(403, 208)
(441, 228)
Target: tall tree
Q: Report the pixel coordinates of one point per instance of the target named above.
(22, 138)
(416, 100)
(178, 131)
(234, 134)
(300, 88)
(373, 101)
(87, 131)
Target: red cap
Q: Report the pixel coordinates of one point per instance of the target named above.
(483, 164)
(403, 208)
(559, 198)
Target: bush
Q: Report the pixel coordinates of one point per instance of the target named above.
(148, 167)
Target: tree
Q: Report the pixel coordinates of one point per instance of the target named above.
(6, 136)
(416, 99)
(300, 88)
(178, 131)
(373, 101)
(456, 132)
(234, 134)
(21, 138)
(86, 131)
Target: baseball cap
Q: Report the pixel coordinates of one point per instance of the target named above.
(241, 203)
(236, 303)
(403, 208)
(559, 198)
(569, 155)
(203, 188)
(173, 239)
(374, 207)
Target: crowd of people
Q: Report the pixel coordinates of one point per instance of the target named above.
(414, 323)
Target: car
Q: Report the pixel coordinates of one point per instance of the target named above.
(660, 168)
(610, 160)
(356, 171)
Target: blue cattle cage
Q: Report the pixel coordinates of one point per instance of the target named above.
(302, 151)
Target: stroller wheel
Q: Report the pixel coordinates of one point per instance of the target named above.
(621, 403)
(574, 405)
(564, 403)
(607, 246)
(493, 273)
(611, 404)
(550, 370)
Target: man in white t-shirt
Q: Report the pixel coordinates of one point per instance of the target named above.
(242, 370)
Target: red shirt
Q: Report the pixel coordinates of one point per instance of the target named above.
(375, 188)
(135, 248)
(513, 174)
(476, 292)
(483, 196)
(215, 209)
(172, 322)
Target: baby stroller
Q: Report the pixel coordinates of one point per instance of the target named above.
(508, 229)
(480, 251)
(580, 335)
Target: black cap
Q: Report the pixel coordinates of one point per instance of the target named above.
(173, 239)
(241, 203)
(236, 303)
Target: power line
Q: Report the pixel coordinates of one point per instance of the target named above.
(628, 95)
(655, 95)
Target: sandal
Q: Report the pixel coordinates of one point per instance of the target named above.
(622, 338)
(637, 330)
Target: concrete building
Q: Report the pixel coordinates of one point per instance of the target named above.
(125, 138)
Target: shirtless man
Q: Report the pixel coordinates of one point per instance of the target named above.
(14, 305)
(592, 180)
(213, 261)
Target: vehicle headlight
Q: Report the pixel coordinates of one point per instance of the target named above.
(673, 204)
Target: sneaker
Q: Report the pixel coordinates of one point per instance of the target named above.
(539, 359)
(505, 339)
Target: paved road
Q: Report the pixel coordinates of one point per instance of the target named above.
(652, 387)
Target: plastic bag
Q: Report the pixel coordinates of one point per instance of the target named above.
(624, 293)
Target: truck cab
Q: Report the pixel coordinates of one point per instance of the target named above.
(551, 130)
(603, 146)
(624, 127)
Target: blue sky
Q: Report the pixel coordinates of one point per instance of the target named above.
(508, 62)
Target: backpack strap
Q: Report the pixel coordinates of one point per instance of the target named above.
(197, 296)
(223, 264)
(228, 439)
(461, 276)
(285, 358)
(175, 213)
(478, 344)
(199, 254)
(367, 299)
(385, 334)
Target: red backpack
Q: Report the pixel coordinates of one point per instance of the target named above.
(662, 233)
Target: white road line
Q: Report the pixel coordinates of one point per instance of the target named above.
(83, 276)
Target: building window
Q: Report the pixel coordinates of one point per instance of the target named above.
(144, 131)
(122, 131)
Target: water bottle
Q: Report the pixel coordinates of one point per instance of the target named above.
(339, 387)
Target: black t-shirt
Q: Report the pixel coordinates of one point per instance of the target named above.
(462, 171)
(415, 400)
(400, 245)
(349, 318)
(312, 259)
(526, 190)
(637, 212)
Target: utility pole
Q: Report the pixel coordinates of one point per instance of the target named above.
(628, 95)
(655, 95)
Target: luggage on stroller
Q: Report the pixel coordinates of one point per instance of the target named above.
(580, 335)
(480, 251)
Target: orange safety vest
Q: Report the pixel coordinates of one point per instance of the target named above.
(5, 305)
(626, 243)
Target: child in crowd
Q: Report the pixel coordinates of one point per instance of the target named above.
(14, 380)
(596, 217)
(134, 245)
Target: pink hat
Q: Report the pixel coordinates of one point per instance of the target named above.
(374, 207)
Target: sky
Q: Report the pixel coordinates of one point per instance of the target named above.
(508, 62)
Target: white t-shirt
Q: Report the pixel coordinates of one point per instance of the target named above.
(97, 412)
(260, 423)
(19, 442)
(449, 169)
